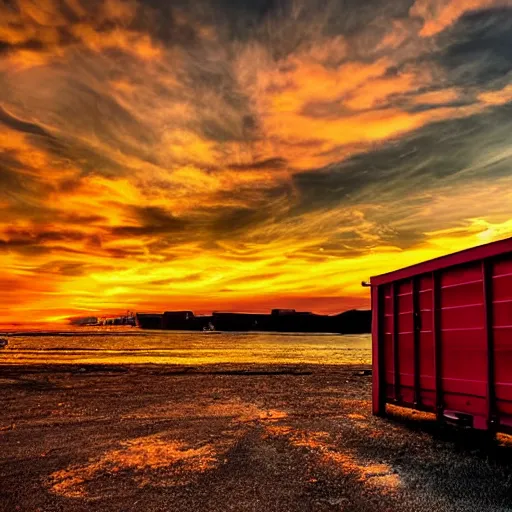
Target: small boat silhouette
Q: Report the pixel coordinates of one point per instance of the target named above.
(3, 343)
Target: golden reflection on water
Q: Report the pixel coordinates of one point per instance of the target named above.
(187, 348)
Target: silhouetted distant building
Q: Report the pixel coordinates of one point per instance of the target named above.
(240, 321)
(279, 320)
(86, 320)
(354, 321)
(280, 312)
(178, 320)
(149, 320)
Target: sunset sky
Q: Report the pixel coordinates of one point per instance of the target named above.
(244, 155)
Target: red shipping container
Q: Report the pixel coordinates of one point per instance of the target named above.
(442, 337)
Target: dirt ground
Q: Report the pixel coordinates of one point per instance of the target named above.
(224, 438)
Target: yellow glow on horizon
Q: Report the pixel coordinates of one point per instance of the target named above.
(149, 170)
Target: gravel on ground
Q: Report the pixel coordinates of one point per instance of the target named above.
(231, 438)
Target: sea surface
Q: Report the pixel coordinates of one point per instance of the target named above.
(97, 346)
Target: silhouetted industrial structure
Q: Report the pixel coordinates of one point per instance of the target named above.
(279, 320)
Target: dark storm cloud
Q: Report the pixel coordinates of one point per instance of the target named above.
(284, 24)
(76, 218)
(197, 276)
(426, 159)
(241, 19)
(71, 268)
(478, 48)
(238, 122)
(270, 199)
(269, 163)
(460, 102)
(34, 44)
(350, 17)
(88, 161)
(122, 253)
(25, 193)
(65, 268)
(18, 237)
(41, 241)
(9, 171)
(26, 248)
(208, 224)
(229, 221)
(154, 216)
(151, 220)
(20, 125)
(106, 118)
(63, 151)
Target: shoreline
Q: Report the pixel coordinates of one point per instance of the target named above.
(138, 331)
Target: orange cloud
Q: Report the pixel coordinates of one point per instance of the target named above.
(440, 14)
(25, 59)
(498, 97)
(378, 91)
(172, 176)
(122, 11)
(397, 34)
(76, 7)
(43, 22)
(317, 114)
(45, 13)
(11, 31)
(224, 277)
(438, 97)
(128, 41)
(33, 160)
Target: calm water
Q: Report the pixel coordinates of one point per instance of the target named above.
(171, 347)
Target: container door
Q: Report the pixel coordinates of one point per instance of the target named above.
(463, 341)
(425, 343)
(501, 273)
(398, 339)
(386, 336)
(404, 343)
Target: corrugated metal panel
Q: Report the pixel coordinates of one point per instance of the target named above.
(459, 258)
(443, 337)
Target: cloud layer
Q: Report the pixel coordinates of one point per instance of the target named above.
(244, 156)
